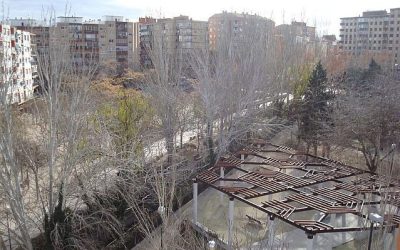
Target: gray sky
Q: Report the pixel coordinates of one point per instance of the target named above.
(324, 14)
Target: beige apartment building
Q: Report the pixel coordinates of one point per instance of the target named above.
(116, 42)
(179, 36)
(235, 25)
(375, 33)
(298, 30)
(143, 40)
(107, 42)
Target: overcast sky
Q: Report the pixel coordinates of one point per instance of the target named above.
(323, 14)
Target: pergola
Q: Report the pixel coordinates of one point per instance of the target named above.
(327, 187)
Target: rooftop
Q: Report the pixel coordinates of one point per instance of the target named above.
(282, 183)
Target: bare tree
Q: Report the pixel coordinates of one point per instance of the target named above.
(234, 81)
(164, 88)
(367, 115)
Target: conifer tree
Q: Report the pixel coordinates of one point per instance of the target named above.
(315, 110)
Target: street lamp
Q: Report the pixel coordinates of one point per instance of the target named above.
(393, 152)
(161, 211)
(374, 218)
(211, 244)
(8, 224)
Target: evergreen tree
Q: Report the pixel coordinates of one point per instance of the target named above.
(314, 110)
(369, 75)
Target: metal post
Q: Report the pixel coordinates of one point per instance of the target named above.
(310, 242)
(230, 223)
(343, 225)
(396, 239)
(161, 236)
(271, 232)
(8, 229)
(195, 187)
(222, 175)
(370, 235)
(332, 235)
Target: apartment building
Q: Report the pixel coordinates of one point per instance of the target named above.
(297, 30)
(40, 32)
(116, 42)
(16, 68)
(68, 31)
(143, 40)
(375, 33)
(236, 25)
(179, 36)
(90, 47)
(40, 39)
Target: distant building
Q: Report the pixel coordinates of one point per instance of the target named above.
(116, 42)
(39, 30)
(178, 35)
(40, 40)
(69, 32)
(235, 25)
(144, 40)
(107, 42)
(16, 68)
(376, 33)
(298, 30)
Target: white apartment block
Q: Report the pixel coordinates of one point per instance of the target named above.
(16, 68)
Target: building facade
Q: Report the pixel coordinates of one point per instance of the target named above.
(144, 40)
(40, 40)
(179, 36)
(233, 26)
(375, 33)
(116, 42)
(16, 68)
(298, 30)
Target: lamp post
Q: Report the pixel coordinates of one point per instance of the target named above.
(374, 218)
(8, 225)
(393, 151)
(211, 244)
(161, 211)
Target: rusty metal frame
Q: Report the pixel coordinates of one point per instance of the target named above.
(320, 199)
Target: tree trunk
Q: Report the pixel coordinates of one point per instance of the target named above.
(210, 143)
(315, 146)
(181, 139)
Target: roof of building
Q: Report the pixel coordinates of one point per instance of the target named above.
(306, 183)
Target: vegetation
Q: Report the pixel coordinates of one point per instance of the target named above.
(367, 113)
(314, 109)
(103, 153)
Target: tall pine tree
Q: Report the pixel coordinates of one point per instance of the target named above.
(315, 111)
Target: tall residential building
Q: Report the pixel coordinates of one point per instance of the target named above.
(69, 31)
(376, 33)
(179, 36)
(39, 30)
(235, 25)
(90, 36)
(116, 42)
(299, 30)
(16, 68)
(40, 39)
(144, 40)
